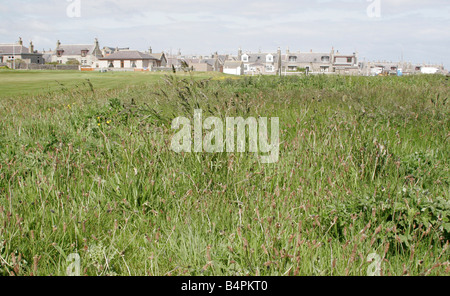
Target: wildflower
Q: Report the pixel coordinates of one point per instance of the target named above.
(99, 124)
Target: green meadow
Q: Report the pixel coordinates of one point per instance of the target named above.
(86, 169)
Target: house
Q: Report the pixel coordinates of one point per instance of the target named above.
(17, 52)
(110, 50)
(310, 62)
(128, 60)
(83, 54)
(346, 64)
(161, 59)
(233, 68)
(260, 63)
(200, 65)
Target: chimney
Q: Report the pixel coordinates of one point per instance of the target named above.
(20, 41)
(287, 50)
(150, 50)
(58, 44)
(31, 47)
(310, 51)
(239, 54)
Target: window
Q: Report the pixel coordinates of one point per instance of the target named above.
(269, 68)
(325, 59)
(324, 69)
(293, 59)
(84, 53)
(133, 65)
(111, 65)
(245, 58)
(349, 59)
(269, 58)
(292, 68)
(245, 67)
(122, 64)
(59, 53)
(394, 68)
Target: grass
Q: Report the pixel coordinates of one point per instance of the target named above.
(13, 83)
(363, 173)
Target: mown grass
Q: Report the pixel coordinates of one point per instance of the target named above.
(24, 83)
(363, 170)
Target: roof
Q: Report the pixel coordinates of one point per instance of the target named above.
(158, 56)
(307, 57)
(232, 64)
(75, 49)
(128, 55)
(260, 57)
(13, 49)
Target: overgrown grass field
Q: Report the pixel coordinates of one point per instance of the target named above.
(361, 186)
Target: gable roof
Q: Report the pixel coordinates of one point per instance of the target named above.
(128, 55)
(75, 49)
(257, 58)
(233, 64)
(307, 57)
(158, 56)
(13, 49)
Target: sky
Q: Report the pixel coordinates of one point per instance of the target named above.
(415, 30)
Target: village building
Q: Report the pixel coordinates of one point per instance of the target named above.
(345, 64)
(17, 53)
(233, 68)
(260, 63)
(129, 60)
(161, 59)
(308, 62)
(106, 51)
(82, 54)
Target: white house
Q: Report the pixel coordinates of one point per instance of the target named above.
(128, 60)
(429, 70)
(233, 68)
(85, 54)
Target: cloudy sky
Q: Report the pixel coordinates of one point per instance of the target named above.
(416, 29)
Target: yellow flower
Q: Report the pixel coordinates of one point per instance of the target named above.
(99, 124)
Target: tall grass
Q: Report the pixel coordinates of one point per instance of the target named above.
(363, 170)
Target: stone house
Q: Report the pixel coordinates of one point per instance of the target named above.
(260, 63)
(18, 52)
(84, 54)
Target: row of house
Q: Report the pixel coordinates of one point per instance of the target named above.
(93, 57)
(270, 63)
(87, 56)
